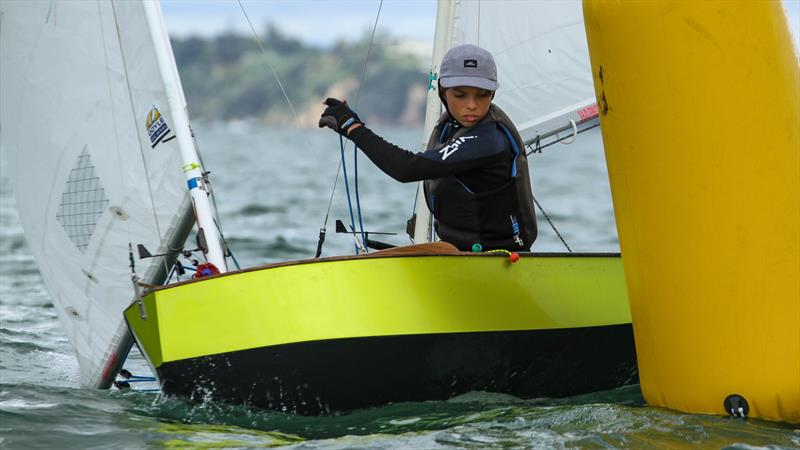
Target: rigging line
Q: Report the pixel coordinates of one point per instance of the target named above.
(355, 104)
(355, 149)
(277, 78)
(261, 46)
(294, 112)
(347, 189)
(369, 50)
(552, 225)
(413, 215)
(225, 241)
(358, 198)
(138, 135)
(358, 93)
(333, 191)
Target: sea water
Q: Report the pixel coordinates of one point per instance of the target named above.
(272, 188)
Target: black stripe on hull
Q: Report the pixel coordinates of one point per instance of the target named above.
(321, 377)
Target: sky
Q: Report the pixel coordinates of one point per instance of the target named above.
(317, 22)
(323, 22)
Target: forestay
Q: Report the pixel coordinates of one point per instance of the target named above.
(87, 134)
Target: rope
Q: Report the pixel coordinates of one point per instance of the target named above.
(355, 149)
(512, 256)
(347, 189)
(536, 147)
(358, 198)
(343, 146)
(552, 225)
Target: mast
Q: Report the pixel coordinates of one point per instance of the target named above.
(191, 162)
(445, 13)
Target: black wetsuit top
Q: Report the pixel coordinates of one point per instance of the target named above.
(481, 162)
(473, 186)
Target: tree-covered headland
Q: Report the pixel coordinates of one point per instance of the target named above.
(227, 77)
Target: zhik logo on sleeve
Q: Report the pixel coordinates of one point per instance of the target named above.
(453, 147)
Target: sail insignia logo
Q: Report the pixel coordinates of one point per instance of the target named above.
(157, 128)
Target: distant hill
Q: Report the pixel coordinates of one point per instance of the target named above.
(227, 77)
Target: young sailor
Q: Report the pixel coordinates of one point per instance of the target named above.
(475, 169)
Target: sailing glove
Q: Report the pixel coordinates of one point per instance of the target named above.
(338, 116)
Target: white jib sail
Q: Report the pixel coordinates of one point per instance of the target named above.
(88, 136)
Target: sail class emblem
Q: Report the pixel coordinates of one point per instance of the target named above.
(157, 127)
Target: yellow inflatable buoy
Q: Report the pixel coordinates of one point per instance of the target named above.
(700, 115)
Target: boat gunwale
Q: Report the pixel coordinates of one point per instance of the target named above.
(388, 253)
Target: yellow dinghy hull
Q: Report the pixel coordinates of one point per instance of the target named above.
(700, 115)
(339, 334)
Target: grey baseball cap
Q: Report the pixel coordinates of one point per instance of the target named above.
(468, 65)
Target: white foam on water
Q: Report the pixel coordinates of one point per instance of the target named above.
(408, 421)
(15, 404)
(426, 440)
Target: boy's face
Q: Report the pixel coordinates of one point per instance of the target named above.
(467, 104)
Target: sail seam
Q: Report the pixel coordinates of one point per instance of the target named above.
(113, 115)
(136, 122)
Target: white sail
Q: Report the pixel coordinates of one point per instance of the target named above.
(542, 66)
(88, 135)
(541, 55)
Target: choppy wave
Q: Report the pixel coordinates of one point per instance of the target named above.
(257, 210)
(276, 216)
(483, 421)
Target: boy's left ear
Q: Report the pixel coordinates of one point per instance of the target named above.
(441, 90)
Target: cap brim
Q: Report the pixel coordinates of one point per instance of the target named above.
(477, 82)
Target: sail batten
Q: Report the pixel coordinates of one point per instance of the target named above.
(86, 134)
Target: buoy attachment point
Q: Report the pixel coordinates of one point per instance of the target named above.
(736, 406)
